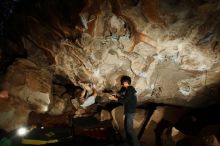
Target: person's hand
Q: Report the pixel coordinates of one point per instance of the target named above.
(94, 93)
(81, 100)
(83, 93)
(113, 97)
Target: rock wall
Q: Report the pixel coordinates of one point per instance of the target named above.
(170, 51)
(29, 89)
(169, 48)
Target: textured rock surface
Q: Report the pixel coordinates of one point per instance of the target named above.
(118, 119)
(169, 48)
(29, 89)
(13, 114)
(25, 81)
(152, 129)
(173, 58)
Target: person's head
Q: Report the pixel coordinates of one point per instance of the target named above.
(77, 92)
(125, 81)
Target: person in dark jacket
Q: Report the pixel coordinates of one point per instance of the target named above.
(127, 96)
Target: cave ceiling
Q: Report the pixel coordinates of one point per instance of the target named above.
(169, 48)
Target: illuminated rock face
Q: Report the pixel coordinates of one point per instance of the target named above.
(173, 58)
(29, 89)
(30, 84)
(118, 119)
(170, 51)
(13, 114)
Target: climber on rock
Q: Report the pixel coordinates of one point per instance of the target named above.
(83, 100)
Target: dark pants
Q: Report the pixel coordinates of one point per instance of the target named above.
(129, 131)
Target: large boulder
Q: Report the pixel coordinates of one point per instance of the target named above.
(13, 114)
(172, 58)
(118, 119)
(27, 88)
(26, 81)
(162, 118)
(169, 48)
(58, 106)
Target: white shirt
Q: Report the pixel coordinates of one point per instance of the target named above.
(88, 101)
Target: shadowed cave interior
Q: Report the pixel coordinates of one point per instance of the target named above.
(52, 50)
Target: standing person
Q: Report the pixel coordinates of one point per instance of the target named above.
(127, 96)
